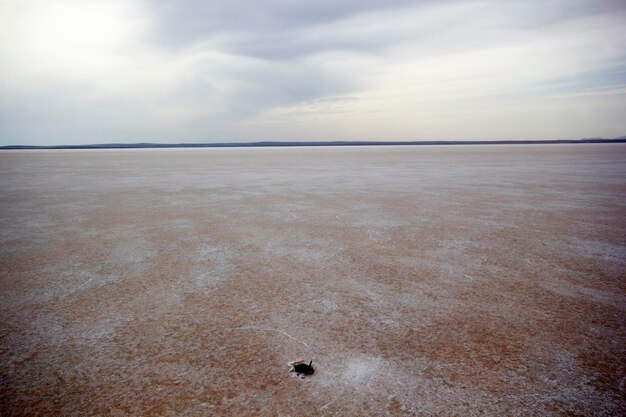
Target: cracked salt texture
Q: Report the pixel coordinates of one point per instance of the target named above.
(429, 281)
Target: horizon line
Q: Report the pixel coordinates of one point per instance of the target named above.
(621, 139)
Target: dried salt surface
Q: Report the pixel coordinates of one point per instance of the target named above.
(429, 281)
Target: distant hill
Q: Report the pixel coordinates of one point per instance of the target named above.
(621, 139)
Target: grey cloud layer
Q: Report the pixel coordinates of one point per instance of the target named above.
(291, 29)
(217, 70)
(195, 20)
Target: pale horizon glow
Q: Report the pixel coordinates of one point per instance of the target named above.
(110, 71)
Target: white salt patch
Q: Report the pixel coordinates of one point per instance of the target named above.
(180, 223)
(458, 244)
(359, 370)
(329, 304)
(217, 268)
(208, 279)
(593, 249)
(132, 251)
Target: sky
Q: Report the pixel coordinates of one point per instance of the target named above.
(171, 71)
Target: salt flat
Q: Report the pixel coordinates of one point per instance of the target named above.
(429, 281)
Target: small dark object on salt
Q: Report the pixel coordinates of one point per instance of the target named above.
(301, 368)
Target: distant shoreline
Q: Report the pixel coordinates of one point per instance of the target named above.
(299, 144)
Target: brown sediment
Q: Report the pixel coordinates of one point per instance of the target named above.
(425, 281)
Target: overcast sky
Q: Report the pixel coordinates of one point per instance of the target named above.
(103, 71)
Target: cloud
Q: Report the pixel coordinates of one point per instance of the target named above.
(134, 70)
(268, 19)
